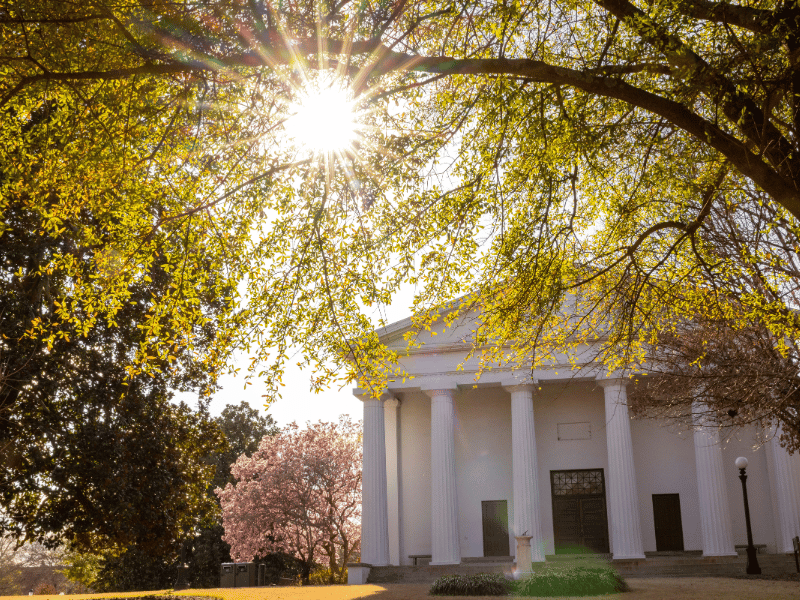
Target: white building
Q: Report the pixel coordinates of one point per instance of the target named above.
(454, 471)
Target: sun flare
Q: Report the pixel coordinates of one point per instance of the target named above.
(324, 118)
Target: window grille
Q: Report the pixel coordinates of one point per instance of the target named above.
(587, 482)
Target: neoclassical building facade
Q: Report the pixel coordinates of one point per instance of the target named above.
(455, 469)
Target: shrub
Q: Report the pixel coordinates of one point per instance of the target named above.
(482, 584)
(571, 581)
(325, 577)
(281, 569)
(135, 570)
(45, 589)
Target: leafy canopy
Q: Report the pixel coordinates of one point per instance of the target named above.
(93, 451)
(519, 153)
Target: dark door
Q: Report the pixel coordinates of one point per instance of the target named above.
(495, 528)
(667, 520)
(579, 511)
(593, 524)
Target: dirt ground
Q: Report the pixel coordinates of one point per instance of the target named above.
(685, 588)
(671, 588)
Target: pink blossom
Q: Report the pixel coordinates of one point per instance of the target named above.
(299, 493)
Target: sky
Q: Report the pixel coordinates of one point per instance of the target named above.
(298, 403)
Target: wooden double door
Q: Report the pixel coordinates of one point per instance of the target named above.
(579, 511)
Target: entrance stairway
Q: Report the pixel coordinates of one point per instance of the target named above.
(656, 564)
(430, 573)
(693, 564)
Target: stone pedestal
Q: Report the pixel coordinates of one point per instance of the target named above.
(626, 529)
(712, 491)
(527, 520)
(524, 556)
(357, 573)
(444, 503)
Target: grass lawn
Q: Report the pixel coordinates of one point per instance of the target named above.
(672, 588)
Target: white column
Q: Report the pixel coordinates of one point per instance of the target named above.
(786, 475)
(444, 503)
(712, 491)
(626, 529)
(525, 471)
(374, 519)
(391, 405)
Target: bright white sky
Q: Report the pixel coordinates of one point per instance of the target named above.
(298, 402)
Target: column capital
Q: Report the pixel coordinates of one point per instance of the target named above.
(703, 418)
(364, 395)
(438, 391)
(613, 380)
(390, 401)
(531, 386)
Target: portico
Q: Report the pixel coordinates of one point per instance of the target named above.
(452, 466)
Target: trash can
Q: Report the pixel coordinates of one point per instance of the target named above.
(245, 575)
(227, 575)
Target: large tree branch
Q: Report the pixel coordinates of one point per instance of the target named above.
(747, 162)
(746, 17)
(274, 55)
(740, 109)
(770, 179)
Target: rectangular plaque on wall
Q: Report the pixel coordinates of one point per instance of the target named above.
(574, 431)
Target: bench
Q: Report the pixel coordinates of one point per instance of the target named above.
(415, 557)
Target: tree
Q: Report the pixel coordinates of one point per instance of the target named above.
(9, 567)
(299, 493)
(136, 569)
(38, 570)
(243, 428)
(82, 569)
(580, 151)
(738, 369)
(94, 453)
(130, 474)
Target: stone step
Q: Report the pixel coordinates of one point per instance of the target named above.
(656, 566)
(484, 560)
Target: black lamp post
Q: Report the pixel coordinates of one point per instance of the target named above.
(752, 559)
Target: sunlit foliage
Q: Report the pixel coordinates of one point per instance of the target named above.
(512, 154)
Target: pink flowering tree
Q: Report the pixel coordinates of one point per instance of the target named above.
(300, 493)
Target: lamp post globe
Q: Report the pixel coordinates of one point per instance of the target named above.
(753, 567)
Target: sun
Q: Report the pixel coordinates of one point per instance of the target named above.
(324, 118)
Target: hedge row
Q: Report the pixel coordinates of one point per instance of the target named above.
(548, 581)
